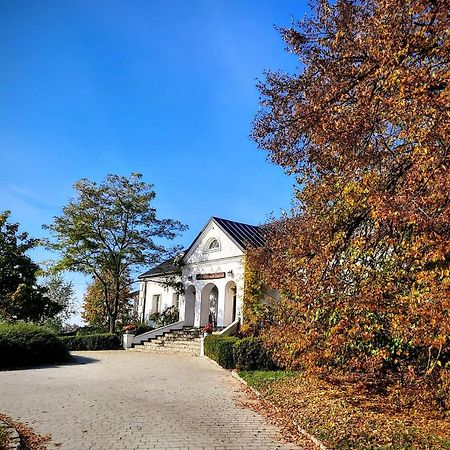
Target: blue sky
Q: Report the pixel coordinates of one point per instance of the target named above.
(165, 88)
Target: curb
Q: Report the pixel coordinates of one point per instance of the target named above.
(235, 374)
(14, 438)
(214, 363)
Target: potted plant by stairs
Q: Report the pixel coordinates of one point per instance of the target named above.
(129, 329)
(208, 329)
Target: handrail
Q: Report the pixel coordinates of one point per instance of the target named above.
(231, 329)
(158, 331)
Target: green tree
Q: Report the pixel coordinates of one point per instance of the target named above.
(109, 229)
(21, 297)
(59, 291)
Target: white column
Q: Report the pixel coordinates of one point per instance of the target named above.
(182, 307)
(198, 304)
(221, 305)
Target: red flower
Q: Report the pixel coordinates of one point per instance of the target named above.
(208, 328)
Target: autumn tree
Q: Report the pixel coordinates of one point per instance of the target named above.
(363, 260)
(109, 229)
(21, 297)
(95, 312)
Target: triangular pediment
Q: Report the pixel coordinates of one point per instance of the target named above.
(212, 243)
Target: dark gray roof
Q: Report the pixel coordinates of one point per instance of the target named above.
(243, 234)
(166, 268)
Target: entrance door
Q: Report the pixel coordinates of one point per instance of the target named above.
(230, 303)
(209, 305)
(213, 303)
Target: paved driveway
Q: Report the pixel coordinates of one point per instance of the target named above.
(128, 400)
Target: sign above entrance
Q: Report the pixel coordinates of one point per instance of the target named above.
(209, 276)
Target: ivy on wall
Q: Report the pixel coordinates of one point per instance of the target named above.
(255, 308)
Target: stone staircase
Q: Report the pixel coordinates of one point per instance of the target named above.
(185, 341)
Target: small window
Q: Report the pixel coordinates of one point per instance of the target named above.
(176, 300)
(156, 302)
(214, 245)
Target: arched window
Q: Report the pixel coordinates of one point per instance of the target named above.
(212, 245)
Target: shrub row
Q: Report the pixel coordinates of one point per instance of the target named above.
(244, 354)
(99, 341)
(220, 349)
(24, 345)
(250, 354)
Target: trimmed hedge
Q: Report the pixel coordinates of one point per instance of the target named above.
(24, 344)
(89, 330)
(99, 341)
(220, 349)
(250, 354)
(243, 354)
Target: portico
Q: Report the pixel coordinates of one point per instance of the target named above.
(210, 302)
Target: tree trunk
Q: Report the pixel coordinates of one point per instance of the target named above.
(112, 323)
(113, 316)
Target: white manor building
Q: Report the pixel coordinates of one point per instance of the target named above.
(210, 273)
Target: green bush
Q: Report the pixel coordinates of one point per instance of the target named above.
(168, 316)
(250, 354)
(88, 330)
(23, 344)
(99, 341)
(220, 349)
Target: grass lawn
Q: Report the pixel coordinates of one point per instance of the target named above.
(260, 379)
(345, 416)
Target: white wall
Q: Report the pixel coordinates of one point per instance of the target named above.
(198, 253)
(228, 259)
(148, 289)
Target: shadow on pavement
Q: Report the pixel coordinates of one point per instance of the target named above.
(75, 360)
(78, 359)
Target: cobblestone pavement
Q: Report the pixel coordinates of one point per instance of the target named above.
(127, 400)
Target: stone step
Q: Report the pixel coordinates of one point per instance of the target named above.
(193, 349)
(168, 349)
(176, 340)
(186, 341)
(179, 347)
(157, 350)
(194, 332)
(172, 336)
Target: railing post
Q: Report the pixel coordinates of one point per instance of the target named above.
(202, 345)
(127, 340)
